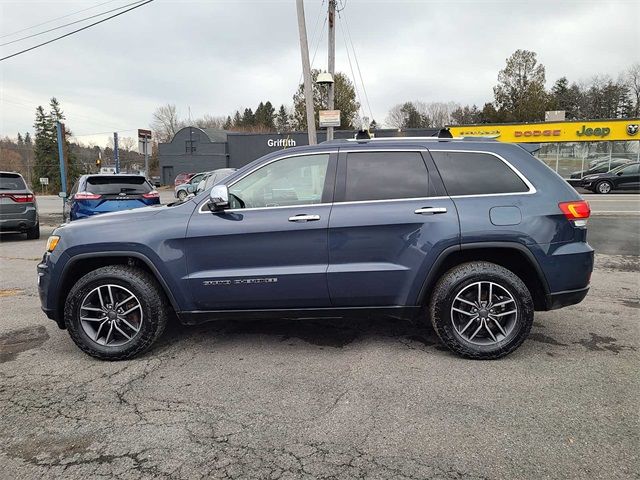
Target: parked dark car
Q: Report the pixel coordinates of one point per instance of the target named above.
(471, 235)
(601, 167)
(18, 208)
(95, 194)
(625, 177)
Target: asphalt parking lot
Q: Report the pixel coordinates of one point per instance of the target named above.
(372, 398)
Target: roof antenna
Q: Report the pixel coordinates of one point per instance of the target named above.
(444, 133)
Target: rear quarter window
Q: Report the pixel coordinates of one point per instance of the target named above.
(118, 184)
(475, 173)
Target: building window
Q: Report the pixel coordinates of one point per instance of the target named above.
(190, 146)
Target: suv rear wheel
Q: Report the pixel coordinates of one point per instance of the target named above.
(182, 194)
(481, 310)
(116, 312)
(34, 232)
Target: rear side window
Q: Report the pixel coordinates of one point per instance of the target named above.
(11, 181)
(385, 176)
(118, 184)
(474, 173)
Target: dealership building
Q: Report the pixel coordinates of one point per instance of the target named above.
(194, 149)
(567, 146)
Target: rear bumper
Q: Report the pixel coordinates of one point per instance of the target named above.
(21, 221)
(566, 298)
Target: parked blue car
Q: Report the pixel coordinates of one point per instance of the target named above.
(472, 236)
(104, 193)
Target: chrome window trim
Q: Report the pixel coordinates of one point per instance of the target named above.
(526, 181)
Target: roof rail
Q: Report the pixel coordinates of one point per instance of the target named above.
(407, 139)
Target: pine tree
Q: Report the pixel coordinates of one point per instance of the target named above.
(228, 123)
(282, 120)
(237, 120)
(45, 152)
(248, 118)
(20, 140)
(373, 125)
(27, 138)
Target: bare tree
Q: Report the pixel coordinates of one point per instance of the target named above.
(210, 121)
(633, 80)
(127, 143)
(165, 122)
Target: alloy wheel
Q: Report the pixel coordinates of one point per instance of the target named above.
(484, 313)
(111, 315)
(604, 187)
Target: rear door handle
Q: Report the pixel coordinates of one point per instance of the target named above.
(430, 210)
(304, 218)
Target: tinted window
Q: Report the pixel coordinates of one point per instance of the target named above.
(290, 181)
(630, 170)
(386, 175)
(468, 173)
(106, 185)
(11, 181)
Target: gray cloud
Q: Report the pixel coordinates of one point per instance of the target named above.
(216, 56)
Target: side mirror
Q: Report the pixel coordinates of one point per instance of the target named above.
(219, 198)
(620, 173)
(62, 194)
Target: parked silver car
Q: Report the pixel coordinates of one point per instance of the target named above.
(212, 178)
(18, 208)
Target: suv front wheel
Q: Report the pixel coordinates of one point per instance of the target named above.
(481, 310)
(116, 312)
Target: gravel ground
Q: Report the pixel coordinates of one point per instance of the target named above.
(372, 398)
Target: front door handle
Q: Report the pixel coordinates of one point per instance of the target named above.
(304, 218)
(430, 210)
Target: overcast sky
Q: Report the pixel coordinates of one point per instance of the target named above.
(218, 56)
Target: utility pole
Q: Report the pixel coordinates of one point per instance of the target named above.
(332, 61)
(63, 175)
(306, 71)
(116, 157)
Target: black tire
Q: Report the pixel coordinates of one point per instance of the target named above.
(155, 308)
(604, 185)
(182, 194)
(34, 232)
(461, 276)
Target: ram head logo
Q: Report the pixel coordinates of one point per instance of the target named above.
(632, 128)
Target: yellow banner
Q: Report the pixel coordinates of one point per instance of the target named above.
(587, 131)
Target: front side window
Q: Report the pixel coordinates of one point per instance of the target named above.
(475, 173)
(286, 182)
(386, 176)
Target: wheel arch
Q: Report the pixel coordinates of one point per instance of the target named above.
(81, 264)
(510, 255)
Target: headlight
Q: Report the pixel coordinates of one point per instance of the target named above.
(52, 242)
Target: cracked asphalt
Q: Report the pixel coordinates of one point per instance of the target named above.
(371, 398)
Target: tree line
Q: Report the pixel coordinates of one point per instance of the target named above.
(521, 96)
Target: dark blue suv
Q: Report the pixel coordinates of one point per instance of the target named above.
(103, 193)
(473, 235)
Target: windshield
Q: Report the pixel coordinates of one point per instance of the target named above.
(107, 185)
(11, 181)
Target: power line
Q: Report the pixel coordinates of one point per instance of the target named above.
(355, 80)
(71, 23)
(315, 30)
(364, 89)
(54, 19)
(76, 31)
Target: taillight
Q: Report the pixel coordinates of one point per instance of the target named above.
(86, 196)
(578, 212)
(18, 197)
(151, 194)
